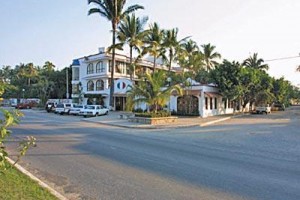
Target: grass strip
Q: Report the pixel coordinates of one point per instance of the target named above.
(15, 186)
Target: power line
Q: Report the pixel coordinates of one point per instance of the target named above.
(284, 58)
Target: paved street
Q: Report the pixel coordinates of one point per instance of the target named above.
(251, 157)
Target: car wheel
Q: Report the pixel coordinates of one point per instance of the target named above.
(106, 113)
(84, 116)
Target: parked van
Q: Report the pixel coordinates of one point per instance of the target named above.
(64, 108)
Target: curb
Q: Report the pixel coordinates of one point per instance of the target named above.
(34, 178)
(162, 126)
(119, 125)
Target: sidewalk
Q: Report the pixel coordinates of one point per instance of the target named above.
(112, 119)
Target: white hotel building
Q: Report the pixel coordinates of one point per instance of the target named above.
(91, 85)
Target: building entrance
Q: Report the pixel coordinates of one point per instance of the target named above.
(188, 105)
(120, 103)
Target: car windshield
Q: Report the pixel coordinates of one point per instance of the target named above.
(90, 107)
(60, 106)
(78, 106)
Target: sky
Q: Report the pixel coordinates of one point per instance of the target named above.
(60, 30)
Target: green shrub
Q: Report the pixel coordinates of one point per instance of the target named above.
(153, 114)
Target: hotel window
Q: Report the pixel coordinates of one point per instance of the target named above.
(216, 103)
(206, 103)
(90, 86)
(99, 85)
(75, 88)
(99, 67)
(119, 67)
(211, 103)
(90, 68)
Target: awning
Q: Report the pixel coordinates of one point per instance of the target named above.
(120, 95)
(93, 95)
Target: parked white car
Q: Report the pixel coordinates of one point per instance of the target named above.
(263, 109)
(76, 109)
(64, 108)
(93, 110)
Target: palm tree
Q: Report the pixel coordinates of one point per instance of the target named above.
(44, 87)
(210, 56)
(28, 71)
(190, 57)
(154, 40)
(255, 62)
(131, 31)
(113, 11)
(151, 91)
(171, 43)
(7, 74)
(48, 67)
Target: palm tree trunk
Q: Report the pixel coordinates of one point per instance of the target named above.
(112, 88)
(171, 58)
(132, 68)
(154, 64)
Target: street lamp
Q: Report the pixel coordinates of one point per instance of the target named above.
(169, 79)
(23, 90)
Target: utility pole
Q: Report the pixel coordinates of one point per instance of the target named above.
(67, 82)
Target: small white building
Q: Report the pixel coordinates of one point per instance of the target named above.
(91, 85)
(200, 100)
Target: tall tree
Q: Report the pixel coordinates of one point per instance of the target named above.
(189, 50)
(28, 71)
(48, 67)
(227, 77)
(172, 44)
(255, 62)
(131, 31)
(113, 11)
(154, 40)
(210, 56)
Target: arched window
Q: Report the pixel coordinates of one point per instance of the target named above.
(90, 86)
(99, 67)
(90, 68)
(99, 85)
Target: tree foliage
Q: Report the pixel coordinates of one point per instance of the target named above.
(8, 119)
(38, 82)
(152, 90)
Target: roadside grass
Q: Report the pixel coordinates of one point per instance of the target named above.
(15, 186)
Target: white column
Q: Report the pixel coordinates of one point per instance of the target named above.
(202, 104)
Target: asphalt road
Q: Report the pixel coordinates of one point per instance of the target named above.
(252, 157)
